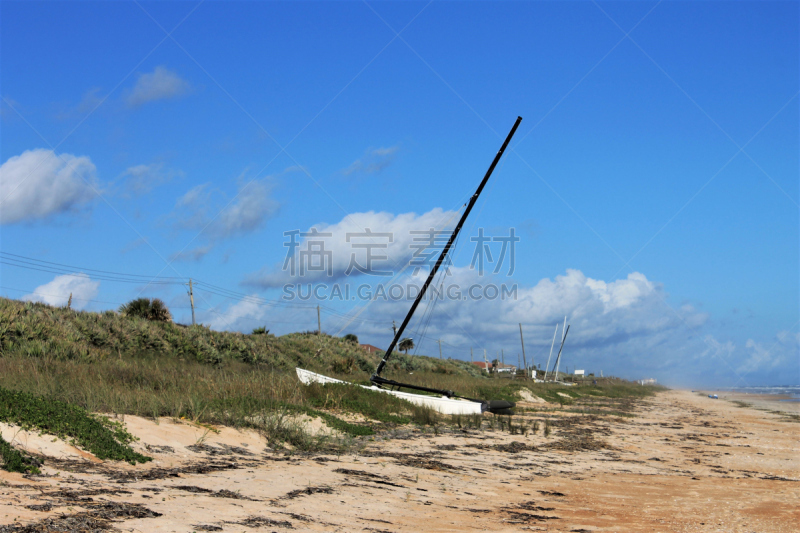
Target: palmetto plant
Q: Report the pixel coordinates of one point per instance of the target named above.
(146, 308)
(406, 345)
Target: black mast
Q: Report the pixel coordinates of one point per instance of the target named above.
(376, 377)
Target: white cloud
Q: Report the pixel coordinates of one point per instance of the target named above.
(242, 315)
(57, 291)
(157, 85)
(391, 232)
(781, 352)
(38, 184)
(141, 179)
(373, 161)
(600, 314)
(252, 206)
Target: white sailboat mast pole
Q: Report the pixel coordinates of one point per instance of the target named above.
(551, 352)
(558, 359)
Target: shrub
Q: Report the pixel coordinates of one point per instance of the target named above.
(261, 330)
(148, 309)
(350, 337)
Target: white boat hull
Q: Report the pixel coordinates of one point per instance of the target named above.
(443, 404)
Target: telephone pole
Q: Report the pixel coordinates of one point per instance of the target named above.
(524, 361)
(471, 359)
(440, 348)
(394, 328)
(319, 323)
(503, 357)
(191, 299)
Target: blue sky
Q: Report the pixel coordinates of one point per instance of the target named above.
(653, 181)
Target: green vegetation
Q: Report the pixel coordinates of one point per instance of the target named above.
(147, 309)
(105, 439)
(14, 461)
(58, 365)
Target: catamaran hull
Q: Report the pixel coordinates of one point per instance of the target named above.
(443, 404)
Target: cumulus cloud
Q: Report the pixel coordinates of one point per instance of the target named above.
(781, 352)
(157, 85)
(373, 161)
(391, 240)
(141, 179)
(38, 184)
(600, 313)
(241, 315)
(199, 209)
(57, 291)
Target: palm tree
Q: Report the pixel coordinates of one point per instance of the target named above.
(140, 307)
(159, 311)
(406, 345)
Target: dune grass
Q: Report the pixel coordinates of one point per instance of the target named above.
(76, 363)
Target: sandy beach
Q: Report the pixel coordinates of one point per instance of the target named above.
(681, 462)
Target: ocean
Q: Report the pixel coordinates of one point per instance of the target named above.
(781, 390)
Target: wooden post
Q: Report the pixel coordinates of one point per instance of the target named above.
(440, 348)
(319, 323)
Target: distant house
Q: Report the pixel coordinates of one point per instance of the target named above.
(511, 369)
(487, 367)
(370, 348)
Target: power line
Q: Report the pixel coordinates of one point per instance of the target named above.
(73, 267)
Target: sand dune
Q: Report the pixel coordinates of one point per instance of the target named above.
(681, 463)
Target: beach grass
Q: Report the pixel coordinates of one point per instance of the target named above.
(79, 363)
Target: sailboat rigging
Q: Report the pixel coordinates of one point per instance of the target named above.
(450, 402)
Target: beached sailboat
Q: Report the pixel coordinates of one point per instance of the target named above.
(444, 401)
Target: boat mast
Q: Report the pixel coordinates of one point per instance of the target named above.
(376, 378)
(558, 358)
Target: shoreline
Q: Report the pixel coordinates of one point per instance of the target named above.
(783, 403)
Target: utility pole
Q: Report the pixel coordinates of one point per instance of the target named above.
(191, 299)
(394, 328)
(503, 357)
(471, 359)
(525, 361)
(440, 348)
(319, 323)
